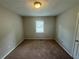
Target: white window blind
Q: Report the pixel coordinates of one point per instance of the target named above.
(39, 26)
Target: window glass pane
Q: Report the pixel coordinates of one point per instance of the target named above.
(39, 26)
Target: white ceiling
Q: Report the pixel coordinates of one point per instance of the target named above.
(48, 8)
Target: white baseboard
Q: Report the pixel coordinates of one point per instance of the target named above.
(39, 38)
(64, 48)
(11, 50)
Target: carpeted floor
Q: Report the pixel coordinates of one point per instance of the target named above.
(38, 50)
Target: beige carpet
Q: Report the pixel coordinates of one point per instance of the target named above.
(38, 50)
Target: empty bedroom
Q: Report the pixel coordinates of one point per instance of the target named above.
(39, 29)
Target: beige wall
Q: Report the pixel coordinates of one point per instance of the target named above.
(11, 31)
(66, 29)
(49, 27)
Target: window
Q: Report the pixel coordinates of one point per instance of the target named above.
(39, 26)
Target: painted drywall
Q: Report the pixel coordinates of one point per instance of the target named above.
(11, 31)
(30, 27)
(65, 29)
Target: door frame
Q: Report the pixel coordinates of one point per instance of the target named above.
(76, 29)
